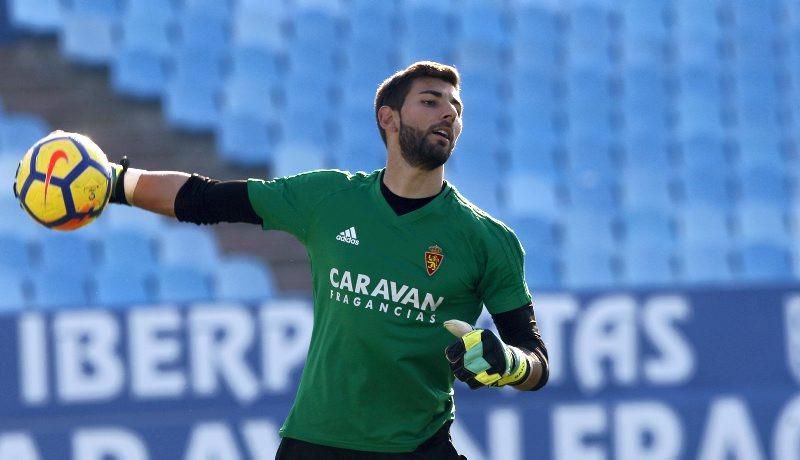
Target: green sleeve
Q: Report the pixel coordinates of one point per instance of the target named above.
(502, 287)
(289, 203)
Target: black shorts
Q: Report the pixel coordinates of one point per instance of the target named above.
(438, 447)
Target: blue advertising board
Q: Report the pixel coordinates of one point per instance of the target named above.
(643, 375)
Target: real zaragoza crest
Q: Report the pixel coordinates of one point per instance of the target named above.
(433, 259)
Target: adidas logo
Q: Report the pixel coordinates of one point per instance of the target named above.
(348, 236)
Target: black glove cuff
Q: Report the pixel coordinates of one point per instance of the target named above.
(118, 194)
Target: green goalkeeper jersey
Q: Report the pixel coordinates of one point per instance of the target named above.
(376, 377)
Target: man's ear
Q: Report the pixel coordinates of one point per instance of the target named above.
(389, 119)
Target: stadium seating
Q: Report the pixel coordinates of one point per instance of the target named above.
(188, 246)
(59, 288)
(121, 288)
(243, 279)
(677, 120)
(181, 284)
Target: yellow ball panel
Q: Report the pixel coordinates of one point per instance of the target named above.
(48, 210)
(23, 171)
(61, 155)
(89, 191)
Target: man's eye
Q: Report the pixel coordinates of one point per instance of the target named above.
(427, 102)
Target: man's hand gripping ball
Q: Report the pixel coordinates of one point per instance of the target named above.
(479, 358)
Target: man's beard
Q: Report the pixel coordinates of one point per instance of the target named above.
(419, 152)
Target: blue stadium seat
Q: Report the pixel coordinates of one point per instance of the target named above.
(150, 30)
(645, 30)
(184, 246)
(541, 270)
(217, 8)
(761, 16)
(37, 16)
(60, 288)
(588, 230)
(648, 265)
(703, 224)
(127, 250)
(121, 288)
(360, 147)
(764, 185)
(139, 74)
(88, 32)
(191, 100)
(12, 285)
(295, 157)
(181, 284)
(251, 62)
(589, 37)
(14, 221)
(528, 194)
(644, 89)
(127, 217)
(759, 148)
(760, 222)
(201, 30)
(66, 252)
(534, 153)
(693, 17)
(708, 186)
(15, 254)
(646, 189)
(155, 10)
(245, 140)
(706, 263)
(251, 96)
(244, 279)
(703, 152)
(649, 228)
(765, 262)
(535, 233)
(259, 24)
(372, 22)
(647, 150)
(316, 27)
(587, 269)
(428, 31)
(19, 131)
(484, 24)
(536, 42)
(592, 191)
(478, 189)
(590, 155)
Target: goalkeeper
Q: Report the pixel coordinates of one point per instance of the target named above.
(395, 255)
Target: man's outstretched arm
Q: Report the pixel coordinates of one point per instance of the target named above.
(189, 198)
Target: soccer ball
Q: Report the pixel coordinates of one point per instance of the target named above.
(63, 181)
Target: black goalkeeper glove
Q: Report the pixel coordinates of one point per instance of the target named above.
(479, 358)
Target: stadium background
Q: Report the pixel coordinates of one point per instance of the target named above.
(645, 152)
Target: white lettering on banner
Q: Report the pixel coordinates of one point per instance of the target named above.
(639, 422)
(786, 439)
(88, 366)
(729, 431)
(607, 333)
(101, 443)
(155, 349)
(653, 430)
(676, 363)
(791, 313)
(287, 328)
(17, 446)
(504, 433)
(606, 344)
(212, 441)
(33, 360)
(215, 358)
(261, 437)
(571, 426)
